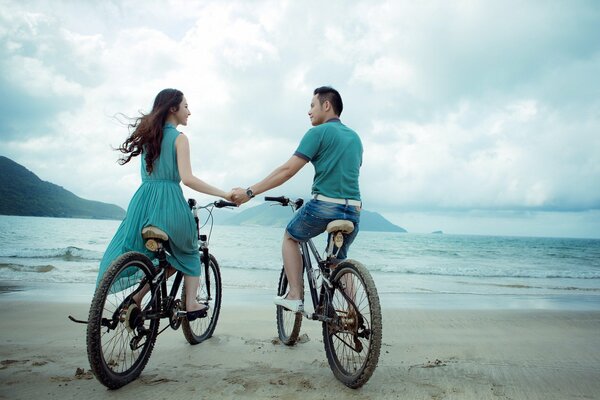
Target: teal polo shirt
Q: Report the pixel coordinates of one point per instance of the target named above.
(336, 153)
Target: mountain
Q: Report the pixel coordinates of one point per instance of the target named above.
(372, 221)
(23, 193)
(269, 214)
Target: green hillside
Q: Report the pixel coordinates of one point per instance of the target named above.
(23, 193)
(277, 216)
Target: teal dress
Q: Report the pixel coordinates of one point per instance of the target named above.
(159, 202)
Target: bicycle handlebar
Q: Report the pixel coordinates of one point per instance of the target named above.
(224, 203)
(219, 204)
(280, 199)
(285, 201)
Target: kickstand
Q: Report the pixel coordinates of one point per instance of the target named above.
(77, 320)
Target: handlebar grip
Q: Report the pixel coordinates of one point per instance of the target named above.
(280, 199)
(223, 203)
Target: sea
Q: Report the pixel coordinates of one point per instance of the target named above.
(415, 271)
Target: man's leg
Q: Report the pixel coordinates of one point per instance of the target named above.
(292, 262)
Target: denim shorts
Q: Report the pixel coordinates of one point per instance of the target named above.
(312, 219)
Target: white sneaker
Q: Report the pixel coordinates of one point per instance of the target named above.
(292, 305)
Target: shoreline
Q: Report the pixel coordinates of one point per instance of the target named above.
(236, 296)
(425, 354)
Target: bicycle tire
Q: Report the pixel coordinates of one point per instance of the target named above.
(288, 322)
(352, 356)
(201, 329)
(115, 354)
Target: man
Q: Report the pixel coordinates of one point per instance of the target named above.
(336, 154)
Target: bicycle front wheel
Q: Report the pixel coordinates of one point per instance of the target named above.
(209, 293)
(288, 322)
(119, 337)
(353, 336)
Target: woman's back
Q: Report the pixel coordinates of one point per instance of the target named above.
(165, 166)
(159, 202)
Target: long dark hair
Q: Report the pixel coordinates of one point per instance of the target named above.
(147, 132)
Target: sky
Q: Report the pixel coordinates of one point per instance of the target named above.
(477, 117)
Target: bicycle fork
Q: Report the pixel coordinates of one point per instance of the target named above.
(206, 261)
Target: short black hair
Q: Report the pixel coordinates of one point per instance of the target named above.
(327, 93)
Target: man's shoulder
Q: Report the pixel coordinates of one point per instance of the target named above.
(336, 125)
(330, 131)
(345, 131)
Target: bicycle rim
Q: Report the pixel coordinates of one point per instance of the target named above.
(201, 329)
(118, 353)
(353, 339)
(288, 322)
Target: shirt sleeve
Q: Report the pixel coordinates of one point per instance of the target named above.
(309, 145)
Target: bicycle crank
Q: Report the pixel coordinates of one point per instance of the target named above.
(176, 315)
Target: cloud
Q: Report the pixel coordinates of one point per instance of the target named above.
(461, 105)
(511, 156)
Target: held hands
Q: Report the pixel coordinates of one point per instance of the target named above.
(238, 196)
(229, 197)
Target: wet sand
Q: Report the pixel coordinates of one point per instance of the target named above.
(426, 354)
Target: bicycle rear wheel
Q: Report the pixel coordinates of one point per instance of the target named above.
(119, 337)
(201, 329)
(288, 322)
(353, 338)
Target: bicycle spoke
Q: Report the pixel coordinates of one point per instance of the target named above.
(351, 342)
(115, 357)
(288, 322)
(203, 328)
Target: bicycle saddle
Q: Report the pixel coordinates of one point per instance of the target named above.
(152, 232)
(340, 225)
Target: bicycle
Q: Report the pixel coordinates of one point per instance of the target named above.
(120, 333)
(344, 299)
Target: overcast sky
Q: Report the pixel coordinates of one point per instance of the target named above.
(476, 117)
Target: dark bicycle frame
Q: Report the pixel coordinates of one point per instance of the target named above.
(308, 247)
(163, 265)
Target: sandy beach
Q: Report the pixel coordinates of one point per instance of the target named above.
(426, 354)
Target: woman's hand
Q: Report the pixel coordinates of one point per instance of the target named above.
(239, 196)
(229, 196)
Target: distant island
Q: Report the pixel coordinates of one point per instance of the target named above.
(268, 214)
(23, 193)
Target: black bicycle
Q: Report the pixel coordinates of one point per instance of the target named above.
(120, 332)
(344, 299)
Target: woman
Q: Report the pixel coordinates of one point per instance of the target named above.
(159, 201)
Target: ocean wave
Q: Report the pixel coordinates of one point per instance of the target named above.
(251, 267)
(445, 271)
(459, 271)
(70, 253)
(537, 287)
(27, 268)
(45, 273)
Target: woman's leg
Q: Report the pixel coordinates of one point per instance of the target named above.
(137, 298)
(192, 283)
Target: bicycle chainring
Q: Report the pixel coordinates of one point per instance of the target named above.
(174, 318)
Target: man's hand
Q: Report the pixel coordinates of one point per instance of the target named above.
(229, 196)
(238, 196)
